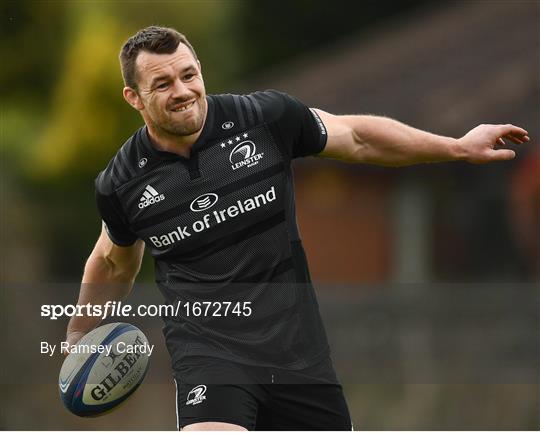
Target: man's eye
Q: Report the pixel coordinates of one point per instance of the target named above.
(188, 77)
(162, 86)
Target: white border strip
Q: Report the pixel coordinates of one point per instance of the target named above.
(176, 406)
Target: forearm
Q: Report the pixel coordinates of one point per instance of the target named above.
(384, 141)
(102, 281)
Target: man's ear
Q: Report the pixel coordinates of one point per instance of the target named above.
(133, 98)
(200, 66)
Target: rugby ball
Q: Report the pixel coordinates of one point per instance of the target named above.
(103, 369)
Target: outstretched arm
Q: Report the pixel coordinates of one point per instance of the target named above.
(383, 141)
(108, 276)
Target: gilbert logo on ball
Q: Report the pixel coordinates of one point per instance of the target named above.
(103, 369)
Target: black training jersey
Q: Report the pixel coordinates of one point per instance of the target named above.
(221, 227)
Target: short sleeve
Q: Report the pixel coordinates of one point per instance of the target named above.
(115, 223)
(306, 126)
(300, 130)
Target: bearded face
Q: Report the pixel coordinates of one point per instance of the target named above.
(171, 93)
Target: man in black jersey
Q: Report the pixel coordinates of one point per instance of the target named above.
(207, 186)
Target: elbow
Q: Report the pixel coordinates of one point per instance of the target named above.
(124, 273)
(104, 268)
(365, 151)
(360, 150)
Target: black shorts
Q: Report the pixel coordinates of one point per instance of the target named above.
(257, 398)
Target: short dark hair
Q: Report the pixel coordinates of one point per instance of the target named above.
(153, 39)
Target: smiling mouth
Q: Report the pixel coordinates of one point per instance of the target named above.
(183, 107)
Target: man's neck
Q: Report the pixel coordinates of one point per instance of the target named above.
(180, 145)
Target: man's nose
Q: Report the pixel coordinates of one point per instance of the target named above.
(179, 89)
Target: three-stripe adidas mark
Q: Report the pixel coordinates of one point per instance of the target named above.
(150, 196)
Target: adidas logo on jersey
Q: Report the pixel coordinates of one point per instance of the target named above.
(149, 197)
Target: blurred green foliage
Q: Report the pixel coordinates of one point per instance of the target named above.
(64, 115)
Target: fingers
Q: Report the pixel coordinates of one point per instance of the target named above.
(502, 155)
(511, 129)
(515, 140)
(72, 338)
(513, 133)
(520, 139)
(488, 142)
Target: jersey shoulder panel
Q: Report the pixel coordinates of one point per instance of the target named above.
(252, 109)
(292, 121)
(272, 103)
(124, 166)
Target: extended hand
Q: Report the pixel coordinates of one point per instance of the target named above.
(478, 145)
